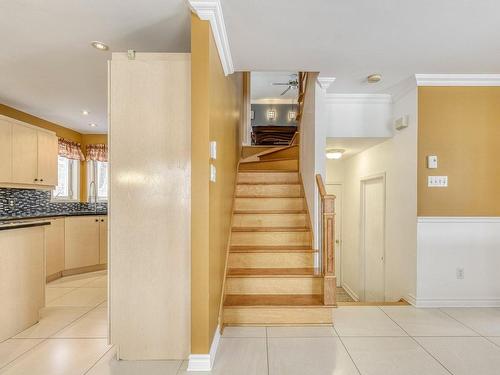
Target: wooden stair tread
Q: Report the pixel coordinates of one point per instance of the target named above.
(269, 170)
(260, 212)
(274, 272)
(265, 160)
(267, 300)
(270, 196)
(270, 229)
(270, 249)
(268, 183)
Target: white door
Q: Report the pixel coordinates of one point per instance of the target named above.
(336, 189)
(373, 238)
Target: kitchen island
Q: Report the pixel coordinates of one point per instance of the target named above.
(22, 275)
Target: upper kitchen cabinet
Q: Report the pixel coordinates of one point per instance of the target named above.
(47, 158)
(24, 155)
(5, 150)
(28, 155)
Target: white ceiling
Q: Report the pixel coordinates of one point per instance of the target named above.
(48, 67)
(352, 39)
(352, 146)
(261, 86)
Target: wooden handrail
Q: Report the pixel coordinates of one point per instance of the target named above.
(327, 245)
(302, 95)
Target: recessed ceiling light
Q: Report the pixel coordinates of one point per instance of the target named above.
(99, 45)
(85, 112)
(374, 78)
(92, 125)
(334, 154)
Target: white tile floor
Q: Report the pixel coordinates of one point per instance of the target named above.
(400, 340)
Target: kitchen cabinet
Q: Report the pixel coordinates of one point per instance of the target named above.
(47, 151)
(81, 242)
(5, 151)
(103, 240)
(85, 241)
(28, 155)
(54, 247)
(24, 155)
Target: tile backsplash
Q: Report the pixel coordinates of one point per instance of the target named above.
(26, 202)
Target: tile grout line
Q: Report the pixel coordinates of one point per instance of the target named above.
(24, 353)
(419, 344)
(267, 350)
(347, 351)
(98, 360)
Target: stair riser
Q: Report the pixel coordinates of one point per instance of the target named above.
(256, 177)
(269, 204)
(288, 153)
(273, 285)
(270, 220)
(271, 238)
(271, 260)
(276, 165)
(269, 190)
(284, 315)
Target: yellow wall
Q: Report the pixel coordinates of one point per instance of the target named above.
(62, 132)
(461, 125)
(216, 103)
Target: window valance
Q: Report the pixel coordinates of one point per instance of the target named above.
(70, 149)
(97, 152)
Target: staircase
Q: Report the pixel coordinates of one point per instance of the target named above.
(270, 275)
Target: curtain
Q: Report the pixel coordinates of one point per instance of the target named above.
(97, 152)
(70, 149)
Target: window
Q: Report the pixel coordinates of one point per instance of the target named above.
(97, 173)
(67, 180)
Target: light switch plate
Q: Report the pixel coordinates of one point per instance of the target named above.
(213, 150)
(432, 161)
(213, 173)
(437, 181)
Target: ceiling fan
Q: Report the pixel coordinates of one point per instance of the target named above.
(292, 84)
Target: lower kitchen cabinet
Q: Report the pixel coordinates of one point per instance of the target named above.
(81, 242)
(54, 247)
(103, 240)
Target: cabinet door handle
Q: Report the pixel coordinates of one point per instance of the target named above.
(41, 179)
(102, 221)
(96, 220)
(36, 179)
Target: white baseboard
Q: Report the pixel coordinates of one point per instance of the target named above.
(205, 362)
(435, 303)
(410, 298)
(349, 291)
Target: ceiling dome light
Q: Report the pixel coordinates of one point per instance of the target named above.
(99, 45)
(92, 125)
(334, 154)
(85, 112)
(374, 78)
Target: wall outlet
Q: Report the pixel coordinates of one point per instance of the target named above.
(460, 273)
(437, 181)
(213, 150)
(432, 161)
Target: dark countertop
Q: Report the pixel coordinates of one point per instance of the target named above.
(45, 215)
(21, 224)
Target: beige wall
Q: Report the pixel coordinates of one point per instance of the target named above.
(61, 132)
(461, 125)
(150, 207)
(397, 159)
(216, 112)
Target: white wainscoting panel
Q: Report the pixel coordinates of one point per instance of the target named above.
(445, 244)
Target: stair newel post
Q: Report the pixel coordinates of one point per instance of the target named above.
(327, 246)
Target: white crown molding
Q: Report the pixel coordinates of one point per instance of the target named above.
(458, 79)
(325, 82)
(211, 10)
(458, 219)
(358, 98)
(205, 362)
